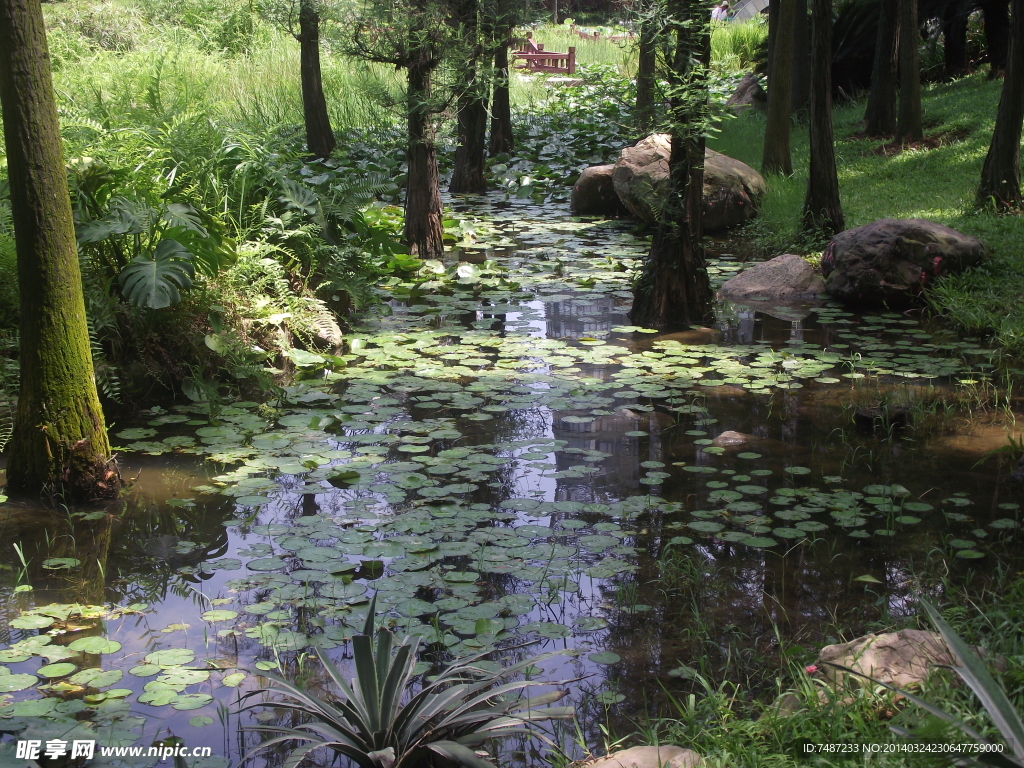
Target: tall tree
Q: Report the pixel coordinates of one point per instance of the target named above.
(908, 120)
(673, 288)
(880, 115)
(645, 72)
(319, 136)
(822, 208)
(301, 19)
(954, 39)
(414, 39)
(60, 439)
(995, 15)
(1000, 175)
(777, 157)
(801, 77)
(501, 140)
(471, 111)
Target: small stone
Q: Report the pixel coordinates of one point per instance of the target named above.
(649, 757)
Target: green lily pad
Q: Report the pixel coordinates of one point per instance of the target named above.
(171, 657)
(604, 657)
(12, 683)
(62, 669)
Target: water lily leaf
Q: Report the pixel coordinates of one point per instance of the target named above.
(604, 657)
(31, 622)
(96, 678)
(56, 563)
(97, 645)
(61, 669)
(234, 679)
(200, 720)
(171, 657)
(219, 615)
(191, 701)
(145, 670)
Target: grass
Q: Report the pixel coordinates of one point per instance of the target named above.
(938, 184)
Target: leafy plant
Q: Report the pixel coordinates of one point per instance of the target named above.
(448, 717)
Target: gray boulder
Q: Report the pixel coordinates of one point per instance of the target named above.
(731, 192)
(891, 261)
(748, 95)
(594, 194)
(784, 278)
(902, 659)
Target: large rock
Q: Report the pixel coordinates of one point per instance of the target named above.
(902, 659)
(748, 94)
(594, 194)
(649, 757)
(890, 261)
(784, 278)
(731, 189)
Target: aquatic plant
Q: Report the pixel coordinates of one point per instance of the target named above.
(448, 717)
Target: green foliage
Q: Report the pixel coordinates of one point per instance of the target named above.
(381, 720)
(152, 280)
(735, 46)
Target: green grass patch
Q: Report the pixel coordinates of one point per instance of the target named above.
(938, 184)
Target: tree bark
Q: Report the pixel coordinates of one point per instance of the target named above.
(471, 112)
(1000, 175)
(777, 157)
(823, 211)
(423, 230)
(501, 141)
(60, 439)
(773, 33)
(801, 97)
(674, 288)
(908, 121)
(645, 75)
(997, 23)
(319, 136)
(954, 34)
(880, 115)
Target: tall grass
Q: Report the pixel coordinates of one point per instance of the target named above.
(734, 45)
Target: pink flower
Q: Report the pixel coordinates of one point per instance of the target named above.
(811, 669)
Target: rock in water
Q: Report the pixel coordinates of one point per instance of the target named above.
(748, 94)
(649, 757)
(731, 193)
(901, 659)
(890, 261)
(594, 194)
(784, 278)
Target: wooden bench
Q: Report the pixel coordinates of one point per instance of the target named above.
(535, 59)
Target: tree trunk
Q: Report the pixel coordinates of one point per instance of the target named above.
(801, 97)
(471, 112)
(60, 440)
(468, 176)
(908, 121)
(501, 141)
(777, 157)
(954, 34)
(773, 33)
(823, 211)
(645, 77)
(423, 230)
(319, 136)
(674, 288)
(1000, 176)
(880, 115)
(997, 25)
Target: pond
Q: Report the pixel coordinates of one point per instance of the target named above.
(502, 457)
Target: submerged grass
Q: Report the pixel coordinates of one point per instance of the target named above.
(937, 183)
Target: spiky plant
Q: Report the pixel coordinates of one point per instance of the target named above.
(380, 721)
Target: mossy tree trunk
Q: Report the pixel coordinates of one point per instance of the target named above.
(908, 120)
(645, 74)
(673, 288)
(319, 136)
(60, 439)
(777, 157)
(1000, 175)
(880, 115)
(823, 211)
(501, 141)
(471, 111)
(423, 229)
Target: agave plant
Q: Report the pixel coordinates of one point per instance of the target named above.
(972, 670)
(379, 721)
